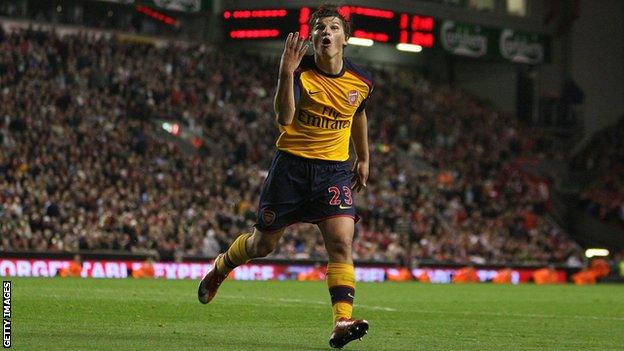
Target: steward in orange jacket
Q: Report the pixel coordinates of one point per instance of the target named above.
(74, 270)
(503, 277)
(466, 275)
(545, 276)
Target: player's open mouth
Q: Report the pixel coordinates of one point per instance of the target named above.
(326, 42)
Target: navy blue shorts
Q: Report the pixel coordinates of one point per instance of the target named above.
(299, 189)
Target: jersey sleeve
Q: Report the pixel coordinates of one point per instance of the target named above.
(365, 101)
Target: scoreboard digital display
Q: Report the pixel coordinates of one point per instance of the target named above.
(379, 25)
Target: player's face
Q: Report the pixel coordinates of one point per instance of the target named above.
(328, 36)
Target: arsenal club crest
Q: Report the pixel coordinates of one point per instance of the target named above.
(352, 96)
(268, 216)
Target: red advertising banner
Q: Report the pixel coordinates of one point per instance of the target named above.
(258, 271)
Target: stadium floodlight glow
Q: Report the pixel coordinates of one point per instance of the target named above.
(409, 47)
(360, 41)
(589, 253)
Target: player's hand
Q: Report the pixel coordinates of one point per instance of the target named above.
(294, 49)
(360, 177)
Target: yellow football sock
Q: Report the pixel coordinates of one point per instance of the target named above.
(341, 284)
(235, 256)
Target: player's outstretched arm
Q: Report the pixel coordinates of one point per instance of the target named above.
(284, 103)
(359, 135)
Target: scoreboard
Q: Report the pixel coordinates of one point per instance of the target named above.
(379, 25)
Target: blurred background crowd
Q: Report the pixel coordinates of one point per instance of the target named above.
(603, 160)
(86, 165)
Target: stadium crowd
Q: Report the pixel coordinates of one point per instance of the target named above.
(603, 159)
(85, 167)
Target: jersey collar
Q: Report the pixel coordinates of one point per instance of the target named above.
(338, 75)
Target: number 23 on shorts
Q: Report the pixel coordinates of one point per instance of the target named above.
(335, 199)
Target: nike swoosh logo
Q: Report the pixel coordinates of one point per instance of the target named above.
(344, 207)
(314, 92)
(351, 296)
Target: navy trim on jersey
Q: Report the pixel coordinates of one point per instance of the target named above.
(297, 86)
(365, 76)
(362, 105)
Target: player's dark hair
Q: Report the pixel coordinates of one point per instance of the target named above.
(330, 10)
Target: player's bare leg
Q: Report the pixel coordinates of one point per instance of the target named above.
(338, 236)
(244, 248)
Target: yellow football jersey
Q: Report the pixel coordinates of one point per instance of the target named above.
(325, 108)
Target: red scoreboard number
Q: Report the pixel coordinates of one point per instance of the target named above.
(379, 25)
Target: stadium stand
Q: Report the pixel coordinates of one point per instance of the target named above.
(86, 167)
(602, 160)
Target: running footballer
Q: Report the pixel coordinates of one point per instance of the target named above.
(319, 108)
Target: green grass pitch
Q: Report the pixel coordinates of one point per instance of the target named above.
(92, 314)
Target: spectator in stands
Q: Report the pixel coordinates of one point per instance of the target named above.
(603, 159)
(85, 165)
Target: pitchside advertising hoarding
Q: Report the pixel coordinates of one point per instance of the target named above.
(256, 271)
(476, 41)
